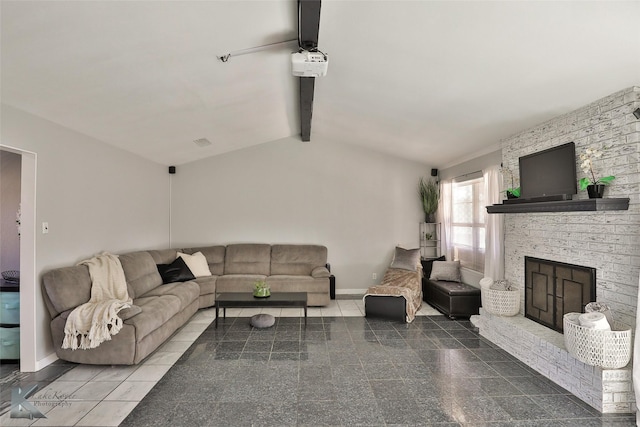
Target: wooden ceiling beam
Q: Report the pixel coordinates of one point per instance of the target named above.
(308, 29)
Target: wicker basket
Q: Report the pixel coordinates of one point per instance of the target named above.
(607, 349)
(501, 303)
(11, 276)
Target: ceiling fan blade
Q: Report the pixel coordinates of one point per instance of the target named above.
(308, 29)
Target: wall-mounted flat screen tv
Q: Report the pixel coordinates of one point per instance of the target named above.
(549, 174)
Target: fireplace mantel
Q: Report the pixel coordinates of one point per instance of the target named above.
(608, 204)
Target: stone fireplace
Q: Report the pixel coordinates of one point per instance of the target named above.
(552, 289)
(602, 239)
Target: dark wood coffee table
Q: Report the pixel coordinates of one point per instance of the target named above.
(226, 300)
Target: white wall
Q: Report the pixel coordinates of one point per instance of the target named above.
(357, 202)
(94, 197)
(9, 202)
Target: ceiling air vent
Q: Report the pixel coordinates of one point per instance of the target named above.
(202, 142)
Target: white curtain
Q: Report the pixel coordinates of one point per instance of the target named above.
(636, 357)
(444, 218)
(494, 226)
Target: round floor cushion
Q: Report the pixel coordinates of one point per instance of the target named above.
(262, 321)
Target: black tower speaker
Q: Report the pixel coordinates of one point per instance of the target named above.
(434, 172)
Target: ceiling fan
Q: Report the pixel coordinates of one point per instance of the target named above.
(307, 63)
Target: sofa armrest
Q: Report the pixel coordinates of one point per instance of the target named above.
(128, 313)
(320, 272)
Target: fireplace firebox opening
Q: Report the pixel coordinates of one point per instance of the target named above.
(554, 288)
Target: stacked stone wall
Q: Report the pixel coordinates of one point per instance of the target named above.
(608, 241)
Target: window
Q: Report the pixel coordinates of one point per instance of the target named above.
(467, 223)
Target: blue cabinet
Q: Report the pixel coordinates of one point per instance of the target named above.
(9, 321)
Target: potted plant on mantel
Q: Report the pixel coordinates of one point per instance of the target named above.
(594, 186)
(429, 196)
(512, 192)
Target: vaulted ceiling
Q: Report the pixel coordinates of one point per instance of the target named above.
(433, 81)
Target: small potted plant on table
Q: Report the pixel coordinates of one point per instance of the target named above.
(261, 289)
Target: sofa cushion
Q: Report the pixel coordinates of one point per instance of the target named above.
(186, 292)
(156, 310)
(177, 271)
(141, 273)
(237, 282)
(291, 283)
(197, 263)
(248, 259)
(207, 284)
(297, 259)
(164, 256)
(128, 313)
(214, 256)
(66, 288)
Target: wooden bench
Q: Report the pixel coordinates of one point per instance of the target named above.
(453, 299)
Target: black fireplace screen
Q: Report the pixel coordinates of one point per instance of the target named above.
(555, 288)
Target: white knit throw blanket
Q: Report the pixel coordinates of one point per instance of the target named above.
(94, 322)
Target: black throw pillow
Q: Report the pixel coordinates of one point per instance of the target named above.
(177, 271)
(427, 265)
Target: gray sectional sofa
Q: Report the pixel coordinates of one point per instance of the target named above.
(160, 309)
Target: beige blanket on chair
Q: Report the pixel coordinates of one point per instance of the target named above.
(401, 283)
(94, 322)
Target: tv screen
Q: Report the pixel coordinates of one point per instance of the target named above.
(549, 174)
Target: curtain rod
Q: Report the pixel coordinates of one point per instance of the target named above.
(467, 176)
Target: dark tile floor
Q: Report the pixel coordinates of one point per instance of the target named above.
(356, 371)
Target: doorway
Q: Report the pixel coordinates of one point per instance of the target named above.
(10, 179)
(24, 260)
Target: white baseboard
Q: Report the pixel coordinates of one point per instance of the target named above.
(43, 363)
(350, 291)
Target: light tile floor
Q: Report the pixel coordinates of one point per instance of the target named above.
(104, 395)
